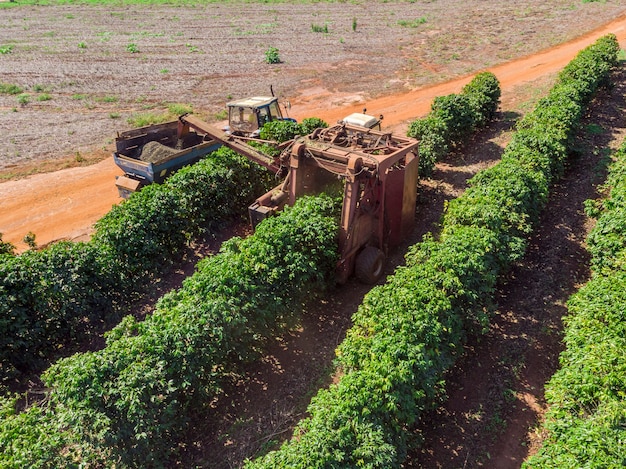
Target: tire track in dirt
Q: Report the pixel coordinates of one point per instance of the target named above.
(65, 204)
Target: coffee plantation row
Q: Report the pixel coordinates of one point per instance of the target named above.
(454, 118)
(586, 421)
(131, 401)
(52, 296)
(410, 330)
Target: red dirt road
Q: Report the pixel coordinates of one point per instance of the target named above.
(65, 204)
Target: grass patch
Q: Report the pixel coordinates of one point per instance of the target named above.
(316, 28)
(23, 99)
(179, 109)
(107, 99)
(412, 23)
(192, 48)
(6, 49)
(132, 48)
(7, 88)
(148, 118)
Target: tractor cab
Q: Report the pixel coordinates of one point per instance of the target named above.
(247, 116)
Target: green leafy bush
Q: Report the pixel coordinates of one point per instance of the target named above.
(309, 124)
(6, 247)
(59, 294)
(35, 437)
(272, 56)
(454, 118)
(585, 423)
(283, 130)
(280, 130)
(135, 396)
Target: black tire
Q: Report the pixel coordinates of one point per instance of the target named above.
(369, 265)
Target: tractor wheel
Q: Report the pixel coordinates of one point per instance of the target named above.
(369, 265)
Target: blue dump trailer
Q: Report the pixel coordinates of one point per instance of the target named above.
(151, 154)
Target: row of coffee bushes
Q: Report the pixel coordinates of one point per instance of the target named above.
(586, 421)
(454, 118)
(130, 403)
(57, 295)
(410, 330)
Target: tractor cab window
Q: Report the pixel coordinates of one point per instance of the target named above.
(243, 118)
(274, 111)
(264, 116)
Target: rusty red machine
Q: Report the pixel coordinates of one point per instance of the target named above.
(379, 172)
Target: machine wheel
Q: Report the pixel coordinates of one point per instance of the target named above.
(369, 265)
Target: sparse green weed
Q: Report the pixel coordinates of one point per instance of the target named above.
(132, 48)
(412, 23)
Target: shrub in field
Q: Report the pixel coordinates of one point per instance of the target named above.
(58, 294)
(31, 438)
(6, 247)
(136, 395)
(272, 56)
(410, 330)
(454, 118)
(309, 124)
(280, 130)
(587, 396)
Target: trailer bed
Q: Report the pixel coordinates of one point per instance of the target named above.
(150, 154)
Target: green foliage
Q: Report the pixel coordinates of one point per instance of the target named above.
(134, 397)
(23, 99)
(412, 23)
(57, 295)
(279, 130)
(309, 124)
(30, 241)
(410, 330)
(132, 48)
(316, 28)
(272, 56)
(6, 49)
(6, 88)
(6, 247)
(454, 118)
(31, 438)
(586, 420)
(283, 130)
(606, 241)
(179, 109)
(148, 118)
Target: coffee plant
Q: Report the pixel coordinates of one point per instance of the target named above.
(586, 421)
(454, 118)
(59, 295)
